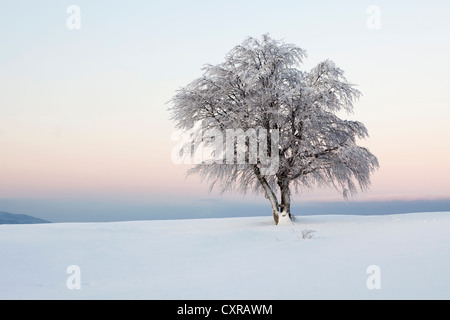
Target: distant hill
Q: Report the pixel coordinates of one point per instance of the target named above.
(11, 218)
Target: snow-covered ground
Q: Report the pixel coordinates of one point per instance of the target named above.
(236, 258)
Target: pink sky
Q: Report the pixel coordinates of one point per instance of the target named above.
(84, 112)
(132, 158)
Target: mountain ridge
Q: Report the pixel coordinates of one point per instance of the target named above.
(13, 218)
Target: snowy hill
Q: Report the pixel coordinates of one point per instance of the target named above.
(236, 258)
(11, 218)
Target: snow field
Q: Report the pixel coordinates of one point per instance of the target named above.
(234, 258)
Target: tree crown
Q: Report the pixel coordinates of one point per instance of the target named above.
(260, 86)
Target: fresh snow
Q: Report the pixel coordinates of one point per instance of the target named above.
(235, 258)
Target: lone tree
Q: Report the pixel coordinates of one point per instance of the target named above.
(259, 87)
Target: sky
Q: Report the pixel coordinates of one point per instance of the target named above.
(84, 128)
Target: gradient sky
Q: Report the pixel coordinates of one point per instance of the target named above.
(83, 113)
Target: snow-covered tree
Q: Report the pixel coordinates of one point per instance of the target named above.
(260, 89)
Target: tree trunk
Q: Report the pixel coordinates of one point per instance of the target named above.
(273, 201)
(285, 207)
(269, 193)
(275, 214)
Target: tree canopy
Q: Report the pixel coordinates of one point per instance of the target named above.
(259, 88)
